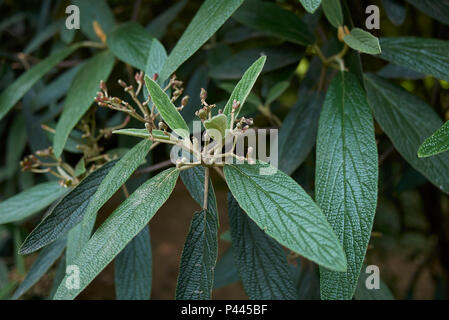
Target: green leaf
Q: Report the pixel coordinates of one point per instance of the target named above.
(199, 256)
(78, 237)
(272, 19)
(56, 89)
(261, 261)
(363, 293)
(208, 19)
(14, 92)
(30, 201)
(408, 121)
(119, 229)
(142, 133)
(225, 271)
(233, 66)
(132, 269)
(156, 59)
(59, 275)
(436, 143)
(346, 178)
(155, 62)
(395, 10)
(276, 91)
(15, 146)
(131, 43)
(216, 126)
(280, 207)
(81, 94)
(158, 26)
(167, 109)
(428, 56)
(44, 261)
(438, 10)
(116, 177)
(310, 5)
(80, 167)
(193, 179)
(91, 11)
(42, 36)
(298, 132)
(362, 41)
(333, 12)
(243, 87)
(392, 71)
(67, 213)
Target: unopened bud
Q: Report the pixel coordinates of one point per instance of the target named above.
(184, 101)
(122, 83)
(162, 126)
(139, 77)
(116, 100)
(203, 94)
(202, 114)
(103, 86)
(341, 33)
(235, 105)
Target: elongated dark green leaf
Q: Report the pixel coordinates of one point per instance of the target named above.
(43, 36)
(285, 212)
(91, 11)
(167, 109)
(67, 213)
(14, 92)
(363, 293)
(30, 201)
(81, 94)
(43, 262)
(131, 43)
(156, 58)
(59, 275)
(272, 19)
(408, 121)
(393, 71)
(395, 10)
(428, 56)
(15, 145)
(276, 91)
(346, 178)
(362, 41)
(244, 86)
(436, 143)
(298, 132)
(211, 16)
(158, 26)
(436, 9)
(56, 89)
(142, 133)
(261, 261)
(3, 274)
(119, 229)
(226, 271)
(333, 12)
(78, 237)
(132, 269)
(193, 179)
(310, 5)
(233, 66)
(118, 175)
(199, 256)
